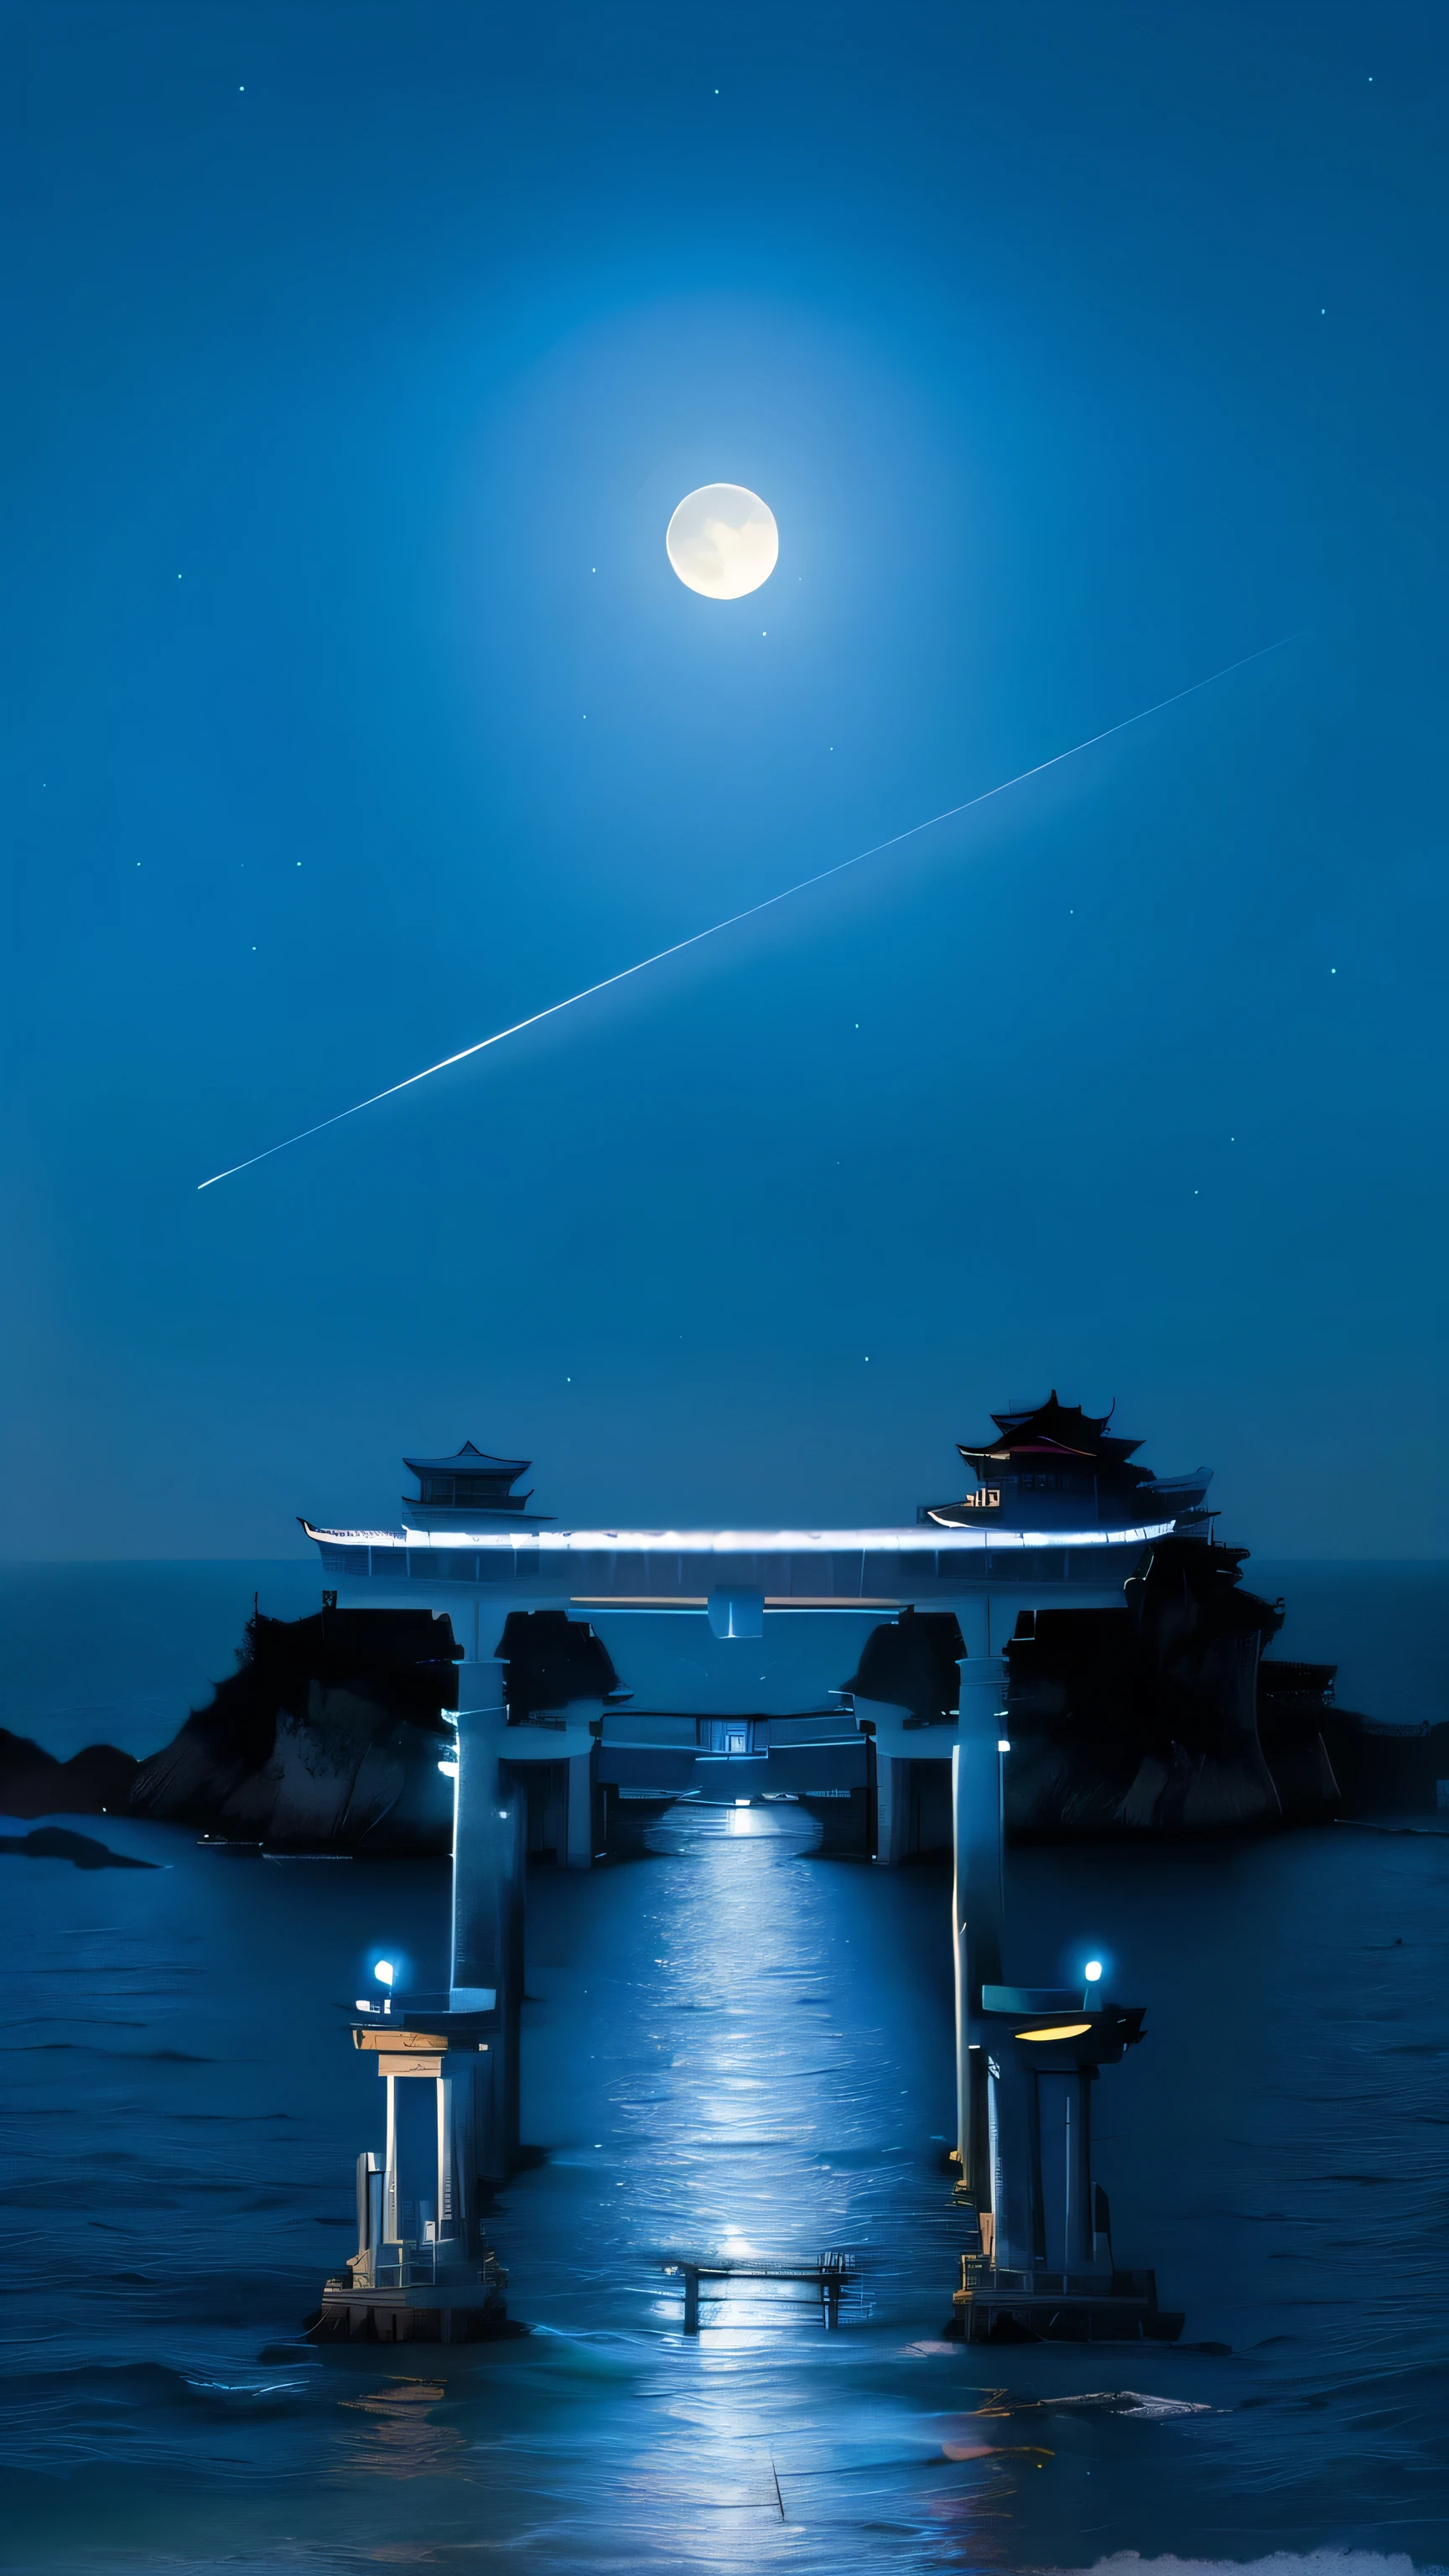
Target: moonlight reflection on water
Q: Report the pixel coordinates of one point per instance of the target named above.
(732, 2042)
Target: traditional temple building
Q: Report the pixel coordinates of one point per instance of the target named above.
(714, 1662)
(1052, 1466)
(469, 1488)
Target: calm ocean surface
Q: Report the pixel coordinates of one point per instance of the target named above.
(730, 2041)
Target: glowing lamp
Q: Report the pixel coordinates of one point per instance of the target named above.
(384, 1972)
(1093, 1971)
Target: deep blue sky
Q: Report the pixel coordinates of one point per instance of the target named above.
(356, 357)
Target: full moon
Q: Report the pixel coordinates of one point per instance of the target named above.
(723, 541)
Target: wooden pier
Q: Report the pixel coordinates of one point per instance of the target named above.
(831, 2275)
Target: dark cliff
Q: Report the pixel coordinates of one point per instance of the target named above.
(1145, 1717)
(317, 1740)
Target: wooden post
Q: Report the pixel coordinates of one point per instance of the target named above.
(1081, 2243)
(489, 1851)
(578, 1837)
(481, 1852)
(366, 2238)
(444, 2201)
(389, 2167)
(976, 1894)
(691, 2298)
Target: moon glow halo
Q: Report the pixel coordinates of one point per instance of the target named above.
(723, 541)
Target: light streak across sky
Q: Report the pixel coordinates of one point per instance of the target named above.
(732, 921)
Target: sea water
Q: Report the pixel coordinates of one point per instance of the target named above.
(733, 2046)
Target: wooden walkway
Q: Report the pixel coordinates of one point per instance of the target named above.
(830, 2274)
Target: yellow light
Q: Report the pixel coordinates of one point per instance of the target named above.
(1060, 2030)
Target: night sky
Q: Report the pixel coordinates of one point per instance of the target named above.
(356, 357)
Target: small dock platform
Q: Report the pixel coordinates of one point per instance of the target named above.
(994, 2306)
(411, 2315)
(832, 2276)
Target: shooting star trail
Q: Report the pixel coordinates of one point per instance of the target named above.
(750, 913)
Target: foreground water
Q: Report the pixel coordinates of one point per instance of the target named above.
(731, 2043)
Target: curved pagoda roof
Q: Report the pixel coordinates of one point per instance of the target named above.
(469, 1461)
(1052, 1429)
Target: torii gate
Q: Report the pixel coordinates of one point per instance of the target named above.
(1038, 2256)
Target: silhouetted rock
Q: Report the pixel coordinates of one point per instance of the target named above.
(1335, 1758)
(1144, 1719)
(52, 1842)
(96, 1782)
(327, 1737)
(913, 1662)
(552, 1660)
